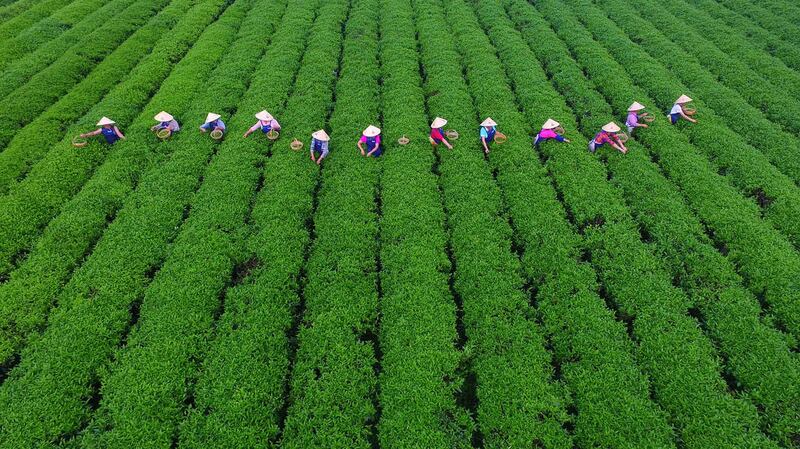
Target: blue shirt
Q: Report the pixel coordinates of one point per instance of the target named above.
(488, 135)
(218, 123)
(110, 134)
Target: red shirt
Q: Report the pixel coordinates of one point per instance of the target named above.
(604, 137)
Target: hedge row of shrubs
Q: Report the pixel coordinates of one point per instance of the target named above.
(730, 70)
(32, 143)
(239, 396)
(756, 355)
(419, 360)
(33, 202)
(30, 88)
(48, 396)
(596, 355)
(766, 260)
(672, 350)
(740, 47)
(751, 123)
(148, 388)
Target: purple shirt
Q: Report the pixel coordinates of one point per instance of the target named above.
(633, 119)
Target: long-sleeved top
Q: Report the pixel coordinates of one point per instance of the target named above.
(632, 120)
(266, 126)
(319, 146)
(218, 123)
(437, 135)
(172, 125)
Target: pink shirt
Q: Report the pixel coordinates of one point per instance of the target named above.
(272, 123)
(377, 139)
(547, 134)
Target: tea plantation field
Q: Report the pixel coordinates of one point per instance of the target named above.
(189, 292)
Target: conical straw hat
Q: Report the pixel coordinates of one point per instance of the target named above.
(551, 124)
(211, 117)
(264, 116)
(372, 131)
(611, 127)
(683, 99)
(488, 122)
(636, 106)
(163, 117)
(105, 121)
(321, 135)
(438, 122)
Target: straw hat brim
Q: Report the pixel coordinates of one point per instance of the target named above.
(611, 127)
(683, 99)
(550, 124)
(105, 121)
(636, 106)
(488, 122)
(372, 131)
(321, 135)
(264, 116)
(211, 117)
(163, 117)
(438, 122)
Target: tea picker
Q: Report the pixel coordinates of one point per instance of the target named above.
(634, 114)
(107, 127)
(167, 125)
(489, 134)
(319, 146)
(551, 129)
(437, 135)
(267, 124)
(214, 124)
(371, 138)
(681, 110)
(608, 135)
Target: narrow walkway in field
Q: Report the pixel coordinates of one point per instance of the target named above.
(251, 355)
(418, 319)
(756, 356)
(331, 390)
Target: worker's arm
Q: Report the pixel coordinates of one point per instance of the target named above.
(252, 128)
(275, 125)
(683, 114)
(324, 152)
(446, 143)
(93, 133)
(118, 132)
(372, 151)
(485, 147)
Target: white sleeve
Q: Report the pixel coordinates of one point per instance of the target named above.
(676, 109)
